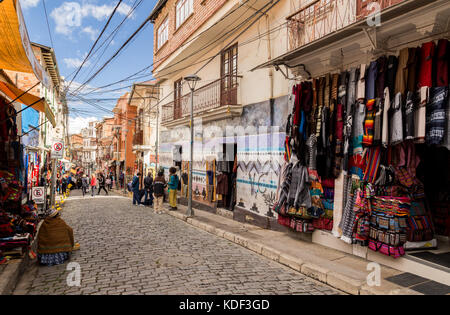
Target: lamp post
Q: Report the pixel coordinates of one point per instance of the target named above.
(192, 82)
(125, 163)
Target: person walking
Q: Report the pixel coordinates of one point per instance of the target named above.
(58, 183)
(148, 186)
(64, 185)
(159, 184)
(101, 184)
(173, 188)
(135, 190)
(121, 180)
(93, 184)
(84, 184)
(108, 182)
(111, 177)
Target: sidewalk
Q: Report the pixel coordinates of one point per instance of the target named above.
(342, 271)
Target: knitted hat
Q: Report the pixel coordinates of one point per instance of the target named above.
(52, 213)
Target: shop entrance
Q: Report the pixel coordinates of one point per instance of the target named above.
(226, 177)
(434, 172)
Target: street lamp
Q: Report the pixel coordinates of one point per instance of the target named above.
(192, 82)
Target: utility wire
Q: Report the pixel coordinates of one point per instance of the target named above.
(48, 24)
(116, 53)
(185, 43)
(111, 37)
(113, 32)
(211, 58)
(95, 43)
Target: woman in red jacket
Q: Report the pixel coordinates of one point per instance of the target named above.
(93, 184)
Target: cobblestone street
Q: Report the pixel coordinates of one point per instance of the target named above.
(130, 250)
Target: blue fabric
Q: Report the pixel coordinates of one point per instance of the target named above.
(136, 198)
(30, 117)
(135, 184)
(173, 184)
(53, 259)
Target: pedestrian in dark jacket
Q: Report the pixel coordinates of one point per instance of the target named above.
(101, 184)
(85, 184)
(135, 190)
(148, 186)
(159, 184)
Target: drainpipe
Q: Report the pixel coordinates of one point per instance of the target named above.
(269, 57)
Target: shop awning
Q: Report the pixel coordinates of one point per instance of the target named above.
(16, 53)
(28, 99)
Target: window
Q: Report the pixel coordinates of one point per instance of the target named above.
(184, 9)
(229, 75)
(163, 33)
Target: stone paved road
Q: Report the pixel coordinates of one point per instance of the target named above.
(130, 250)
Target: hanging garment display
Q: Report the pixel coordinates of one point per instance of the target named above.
(426, 64)
(409, 116)
(420, 116)
(442, 60)
(436, 115)
(396, 126)
(391, 74)
(401, 78)
(413, 62)
(366, 122)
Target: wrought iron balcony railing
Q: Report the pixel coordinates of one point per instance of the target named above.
(221, 92)
(319, 18)
(138, 138)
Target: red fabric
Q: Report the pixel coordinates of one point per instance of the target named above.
(297, 91)
(339, 122)
(3, 115)
(442, 56)
(426, 64)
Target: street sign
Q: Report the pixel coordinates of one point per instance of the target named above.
(58, 150)
(38, 195)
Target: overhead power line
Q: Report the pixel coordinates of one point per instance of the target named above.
(109, 39)
(262, 13)
(48, 24)
(95, 43)
(116, 53)
(190, 40)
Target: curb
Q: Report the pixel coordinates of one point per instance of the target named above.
(333, 279)
(10, 277)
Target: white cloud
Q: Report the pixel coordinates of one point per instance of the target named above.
(78, 123)
(29, 3)
(91, 32)
(69, 16)
(75, 62)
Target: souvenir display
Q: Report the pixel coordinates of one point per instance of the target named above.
(374, 123)
(18, 221)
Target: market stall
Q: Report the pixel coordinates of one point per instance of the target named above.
(18, 219)
(381, 131)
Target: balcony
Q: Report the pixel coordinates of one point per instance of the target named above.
(323, 17)
(324, 34)
(215, 100)
(138, 138)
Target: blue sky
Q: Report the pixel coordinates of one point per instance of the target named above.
(74, 26)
